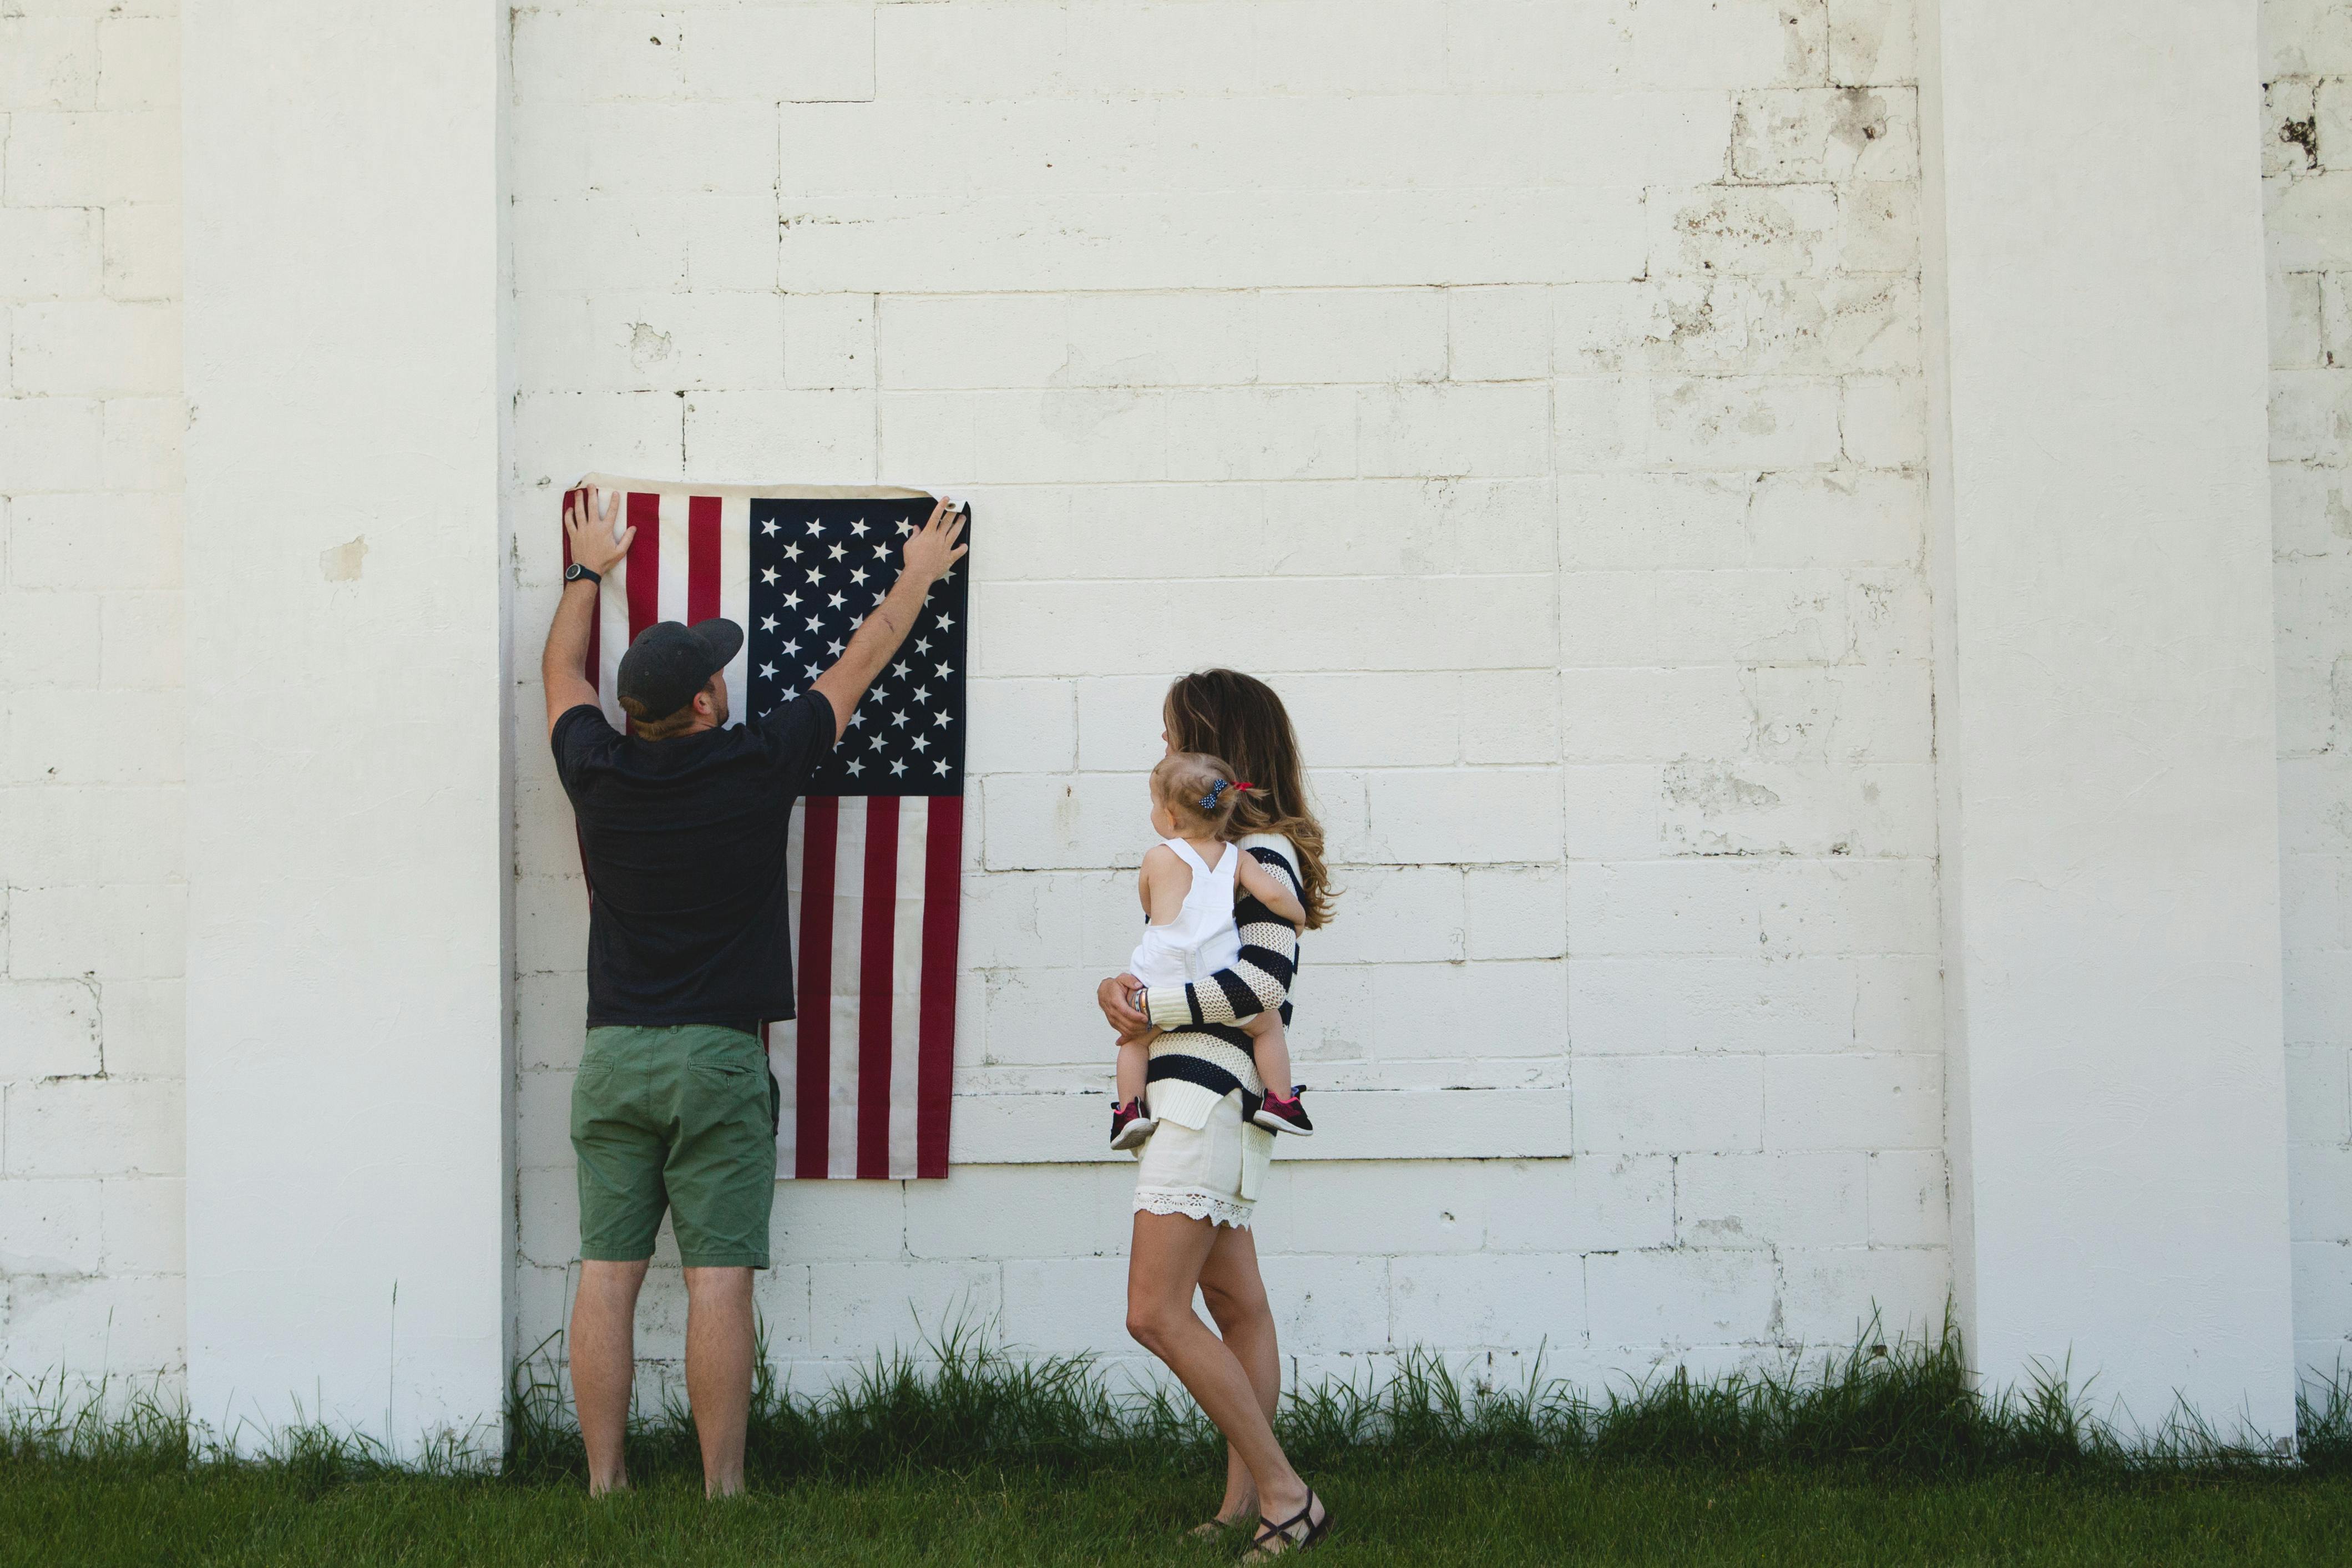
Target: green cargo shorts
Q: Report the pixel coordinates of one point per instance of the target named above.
(684, 1119)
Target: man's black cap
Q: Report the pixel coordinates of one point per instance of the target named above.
(671, 661)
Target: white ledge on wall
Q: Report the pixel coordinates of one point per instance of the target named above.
(1349, 1124)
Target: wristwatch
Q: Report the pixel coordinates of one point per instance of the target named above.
(575, 573)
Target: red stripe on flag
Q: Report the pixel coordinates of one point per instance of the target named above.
(819, 826)
(942, 889)
(873, 980)
(701, 558)
(645, 563)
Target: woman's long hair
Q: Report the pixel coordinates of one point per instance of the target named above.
(1230, 715)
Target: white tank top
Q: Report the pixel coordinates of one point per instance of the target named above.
(1200, 940)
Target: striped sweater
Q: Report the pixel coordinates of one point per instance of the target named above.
(1203, 1058)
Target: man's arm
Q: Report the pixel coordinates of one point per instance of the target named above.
(930, 553)
(562, 667)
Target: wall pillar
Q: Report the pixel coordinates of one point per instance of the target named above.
(2105, 745)
(348, 1230)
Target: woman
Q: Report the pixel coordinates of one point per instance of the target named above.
(1199, 1177)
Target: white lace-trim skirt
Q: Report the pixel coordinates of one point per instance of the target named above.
(1211, 1172)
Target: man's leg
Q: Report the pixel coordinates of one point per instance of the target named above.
(603, 1356)
(719, 1350)
(723, 1186)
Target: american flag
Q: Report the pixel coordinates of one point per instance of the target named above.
(876, 850)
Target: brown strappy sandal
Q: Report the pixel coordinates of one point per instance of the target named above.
(1263, 1546)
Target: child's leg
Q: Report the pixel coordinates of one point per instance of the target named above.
(1134, 1067)
(1271, 1046)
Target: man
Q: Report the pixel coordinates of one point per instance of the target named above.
(682, 827)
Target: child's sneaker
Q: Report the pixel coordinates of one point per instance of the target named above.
(1131, 1124)
(1283, 1115)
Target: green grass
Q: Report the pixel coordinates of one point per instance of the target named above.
(1435, 1511)
(969, 1455)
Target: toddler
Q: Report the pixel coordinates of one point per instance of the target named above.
(1187, 886)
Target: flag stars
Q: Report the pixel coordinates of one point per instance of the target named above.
(921, 743)
(945, 621)
(792, 600)
(792, 552)
(859, 528)
(856, 768)
(768, 575)
(940, 767)
(905, 527)
(858, 575)
(814, 528)
(836, 602)
(793, 648)
(899, 720)
(838, 552)
(767, 623)
(813, 671)
(767, 672)
(897, 768)
(833, 649)
(768, 529)
(942, 717)
(900, 670)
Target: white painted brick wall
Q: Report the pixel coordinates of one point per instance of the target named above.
(1531, 392)
(1579, 344)
(91, 1130)
(2307, 169)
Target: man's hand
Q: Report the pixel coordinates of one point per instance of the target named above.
(930, 550)
(933, 548)
(562, 667)
(593, 543)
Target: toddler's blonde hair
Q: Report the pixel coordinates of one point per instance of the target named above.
(1199, 789)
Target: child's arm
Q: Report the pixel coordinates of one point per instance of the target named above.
(1269, 890)
(1259, 981)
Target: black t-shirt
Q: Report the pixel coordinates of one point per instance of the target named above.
(683, 840)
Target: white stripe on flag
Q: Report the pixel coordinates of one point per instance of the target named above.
(783, 1037)
(671, 604)
(611, 642)
(735, 597)
(907, 981)
(848, 944)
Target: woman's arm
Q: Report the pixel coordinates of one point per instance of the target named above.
(1259, 980)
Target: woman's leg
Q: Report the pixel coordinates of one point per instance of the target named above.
(1163, 1267)
(1236, 1298)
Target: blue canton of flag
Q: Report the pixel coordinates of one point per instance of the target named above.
(819, 568)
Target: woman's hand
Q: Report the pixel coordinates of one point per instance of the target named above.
(1112, 995)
